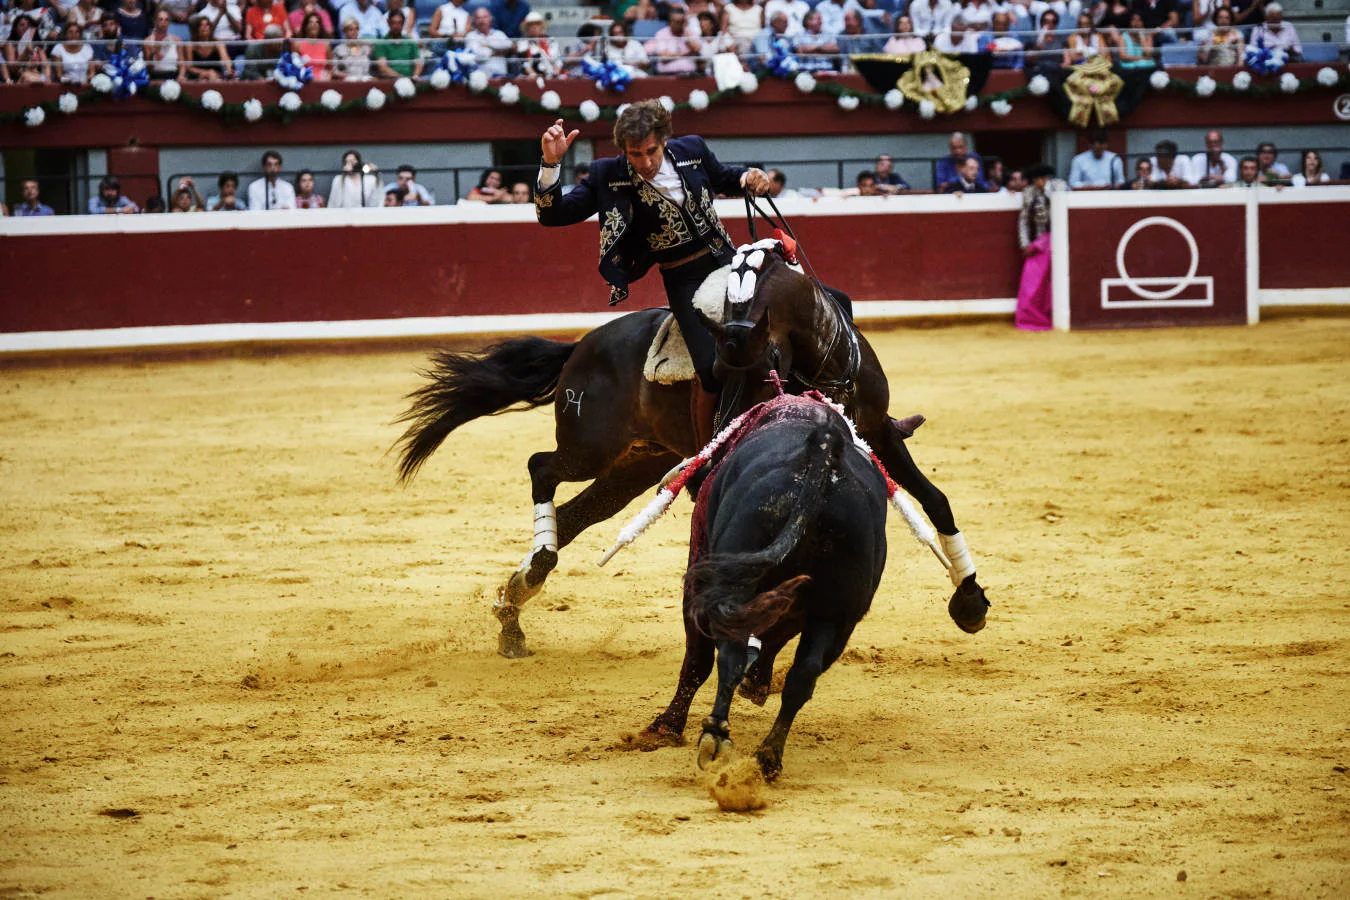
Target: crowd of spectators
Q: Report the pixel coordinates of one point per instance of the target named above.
(357, 40)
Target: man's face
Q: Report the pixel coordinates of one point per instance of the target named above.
(775, 187)
(396, 25)
(1274, 16)
(958, 145)
(520, 192)
(645, 156)
(1266, 156)
(852, 23)
(884, 165)
(405, 180)
(1165, 160)
(1098, 148)
(867, 187)
(271, 167)
(1214, 143)
(780, 24)
(110, 194)
(1248, 171)
(110, 28)
(1144, 169)
(1017, 181)
(971, 169)
(678, 22)
(391, 199)
(30, 191)
(482, 20)
(228, 188)
(1041, 181)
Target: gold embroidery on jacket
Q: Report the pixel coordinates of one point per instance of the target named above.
(543, 200)
(674, 231)
(706, 220)
(612, 229)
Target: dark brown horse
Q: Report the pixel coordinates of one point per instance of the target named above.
(622, 433)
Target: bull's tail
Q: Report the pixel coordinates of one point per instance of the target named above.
(723, 586)
(462, 387)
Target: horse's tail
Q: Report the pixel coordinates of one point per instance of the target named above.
(723, 585)
(462, 387)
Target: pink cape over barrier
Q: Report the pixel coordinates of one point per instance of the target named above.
(1033, 295)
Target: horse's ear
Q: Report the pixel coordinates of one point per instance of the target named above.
(714, 328)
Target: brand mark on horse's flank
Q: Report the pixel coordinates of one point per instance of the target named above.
(573, 397)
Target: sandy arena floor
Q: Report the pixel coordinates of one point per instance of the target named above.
(220, 612)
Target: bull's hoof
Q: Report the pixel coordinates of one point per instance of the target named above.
(968, 606)
(755, 692)
(770, 762)
(712, 747)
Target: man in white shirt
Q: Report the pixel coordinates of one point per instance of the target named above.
(1097, 168)
(368, 16)
(831, 16)
(957, 39)
(414, 194)
(932, 17)
(226, 20)
(795, 10)
(1213, 168)
(489, 44)
(1170, 170)
(1276, 34)
(271, 191)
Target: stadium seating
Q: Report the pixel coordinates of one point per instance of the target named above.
(646, 29)
(1179, 55)
(1320, 52)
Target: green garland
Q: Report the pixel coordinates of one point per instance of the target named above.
(234, 112)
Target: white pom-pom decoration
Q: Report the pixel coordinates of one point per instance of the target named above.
(1000, 107)
(508, 94)
(375, 99)
(1289, 82)
(1039, 85)
(972, 103)
(1159, 80)
(290, 101)
(805, 82)
(440, 79)
(894, 99)
(405, 88)
(478, 81)
(550, 100)
(34, 117)
(1204, 86)
(589, 109)
(169, 90)
(101, 83)
(698, 100)
(252, 109)
(848, 102)
(1242, 81)
(749, 83)
(1327, 77)
(212, 100)
(668, 103)
(330, 100)
(622, 106)
(927, 109)
(68, 103)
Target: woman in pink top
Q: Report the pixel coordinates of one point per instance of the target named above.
(312, 45)
(303, 11)
(904, 41)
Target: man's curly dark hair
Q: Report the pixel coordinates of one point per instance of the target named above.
(641, 120)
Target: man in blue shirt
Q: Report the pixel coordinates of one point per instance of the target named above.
(949, 168)
(508, 14)
(1096, 168)
(31, 206)
(110, 199)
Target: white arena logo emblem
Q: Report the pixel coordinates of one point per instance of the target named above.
(1341, 107)
(1157, 292)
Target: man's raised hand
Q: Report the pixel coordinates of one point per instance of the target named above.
(556, 142)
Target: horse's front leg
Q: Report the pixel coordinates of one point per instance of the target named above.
(715, 741)
(968, 604)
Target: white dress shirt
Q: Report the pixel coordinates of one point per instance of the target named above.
(1225, 172)
(277, 195)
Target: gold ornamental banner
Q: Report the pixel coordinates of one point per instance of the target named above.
(1093, 87)
(941, 79)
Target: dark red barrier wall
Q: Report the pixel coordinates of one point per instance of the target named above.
(1305, 245)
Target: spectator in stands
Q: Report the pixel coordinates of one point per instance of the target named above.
(358, 185)
(1113, 17)
(831, 17)
(489, 189)
(25, 62)
(1046, 51)
(1096, 167)
(1017, 182)
(770, 37)
(303, 11)
(777, 184)
(1311, 171)
(310, 44)
(41, 18)
(949, 167)
(1135, 45)
(509, 15)
(1249, 12)
(1272, 170)
(87, 14)
(968, 179)
(888, 180)
(622, 49)
(228, 198)
(904, 42)
(1199, 15)
(31, 205)
(271, 191)
(816, 51)
(539, 56)
(416, 195)
(1162, 17)
(205, 56)
(1213, 168)
(187, 184)
(109, 199)
(368, 16)
(154, 204)
(795, 10)
(1006, 49)
(450, 21)
(1143, 175)
(865, 185)
(261, 15)
(1085, 43)
(1249, 172)
(227, 25)
(161, 49)
(261, 57)
(713, 40)
(109, 38)
(351, 58)
(743, 20)
(490, 45)
(409, 15)
(855, 38)
(675, 48)
(182, 201)
(994, 177)
(520, 192)
(1276, 34)
(394, 196)
(580, 171)
(931, 17)
(1223, 43)
(397, 55)
(133, 20)
(305, 197)
(73, 56)
(957, 39)
(1170, 170)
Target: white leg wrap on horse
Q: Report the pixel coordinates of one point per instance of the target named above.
(962, 567)
(545, 526)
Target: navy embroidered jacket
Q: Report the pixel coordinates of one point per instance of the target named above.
(612, 188)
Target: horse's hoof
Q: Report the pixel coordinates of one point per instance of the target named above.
(770, 762)
(711, 748)
(511, 641)
(757, 694)
(654, 737)
(519, 588)
(968, 606)
(541, 563)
